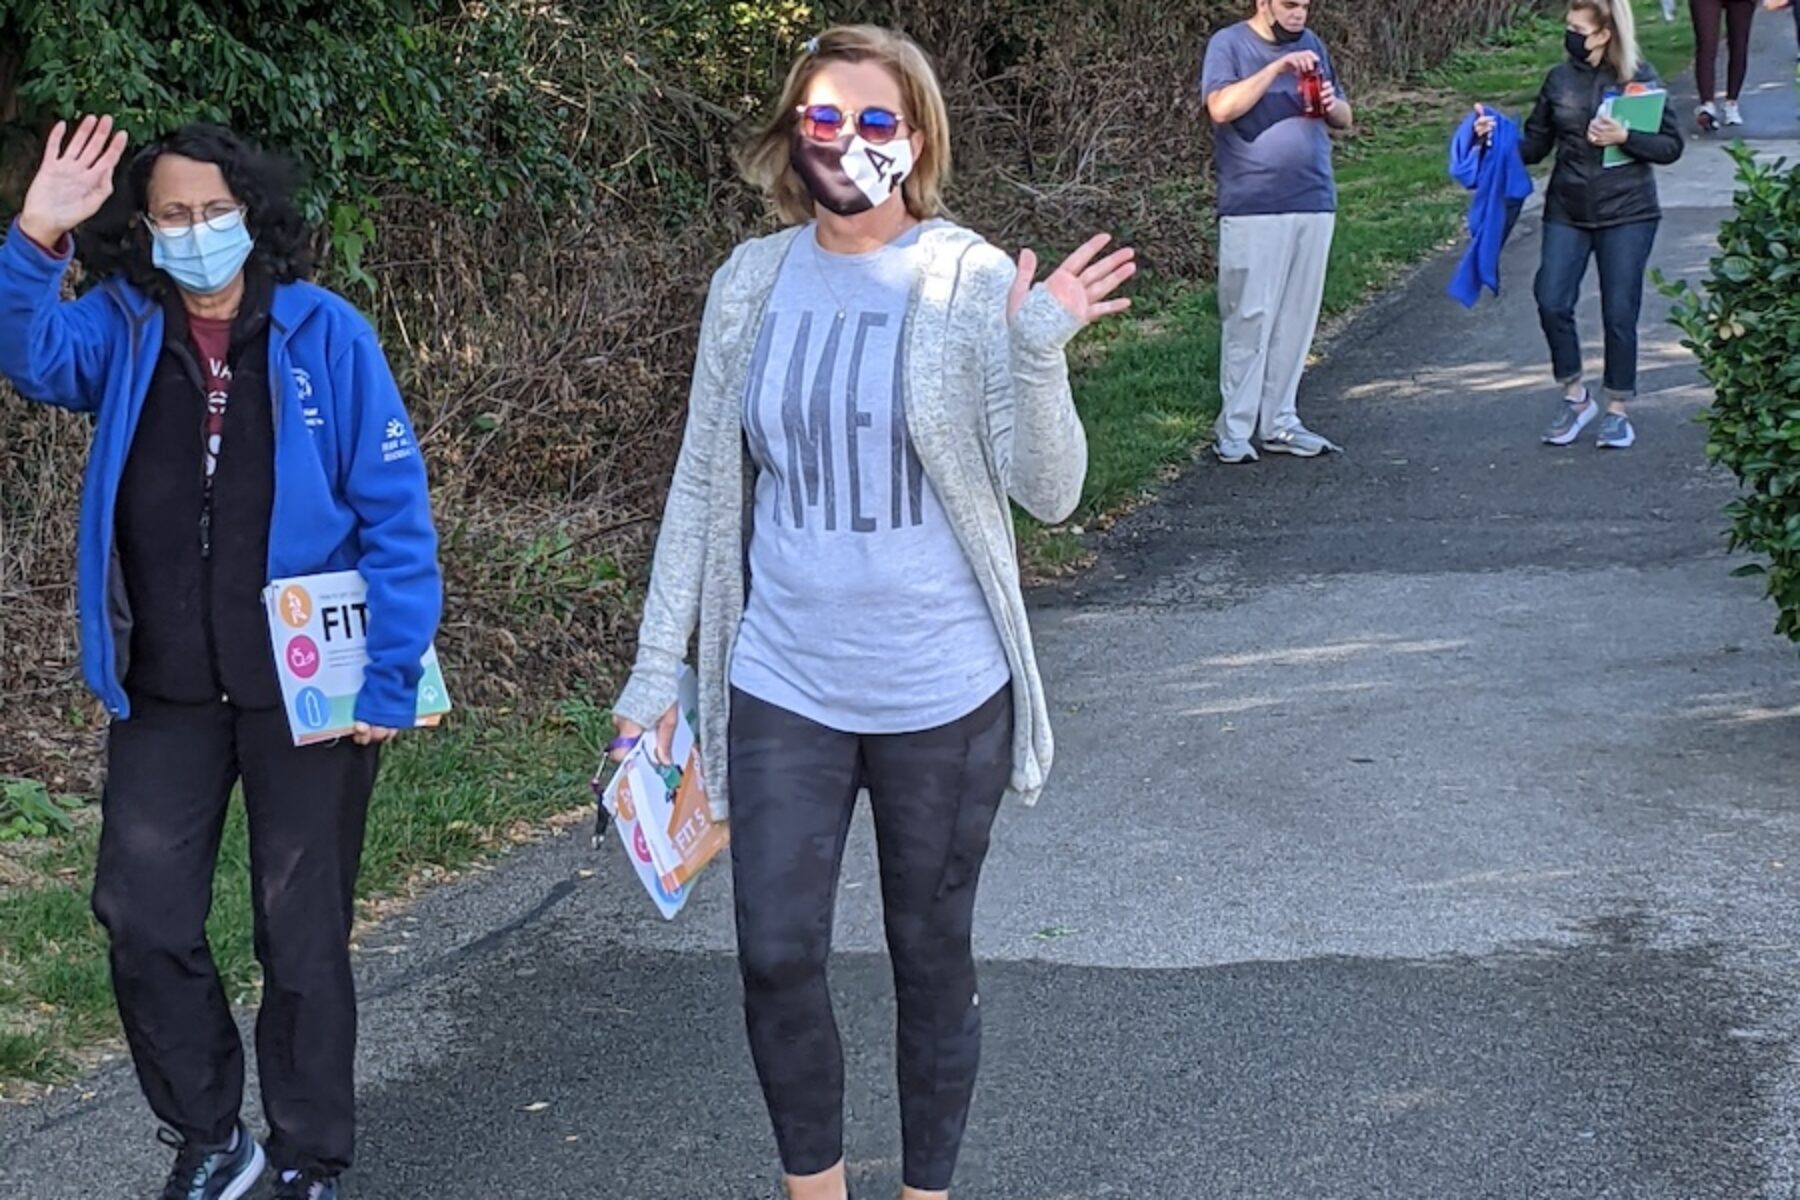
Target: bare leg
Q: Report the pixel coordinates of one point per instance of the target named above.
(826, 1185)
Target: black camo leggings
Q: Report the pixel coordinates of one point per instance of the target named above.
(934, 795)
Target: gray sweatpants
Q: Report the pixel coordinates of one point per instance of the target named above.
(1271, 285)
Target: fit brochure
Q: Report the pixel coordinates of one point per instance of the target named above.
(661, 813)
(320, 627)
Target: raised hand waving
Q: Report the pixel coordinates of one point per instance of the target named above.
(1083, 284)
(75, 179)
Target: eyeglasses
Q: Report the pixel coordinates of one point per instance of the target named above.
(825, 123)
(217, 217)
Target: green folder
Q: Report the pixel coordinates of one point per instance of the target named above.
(1642, 113)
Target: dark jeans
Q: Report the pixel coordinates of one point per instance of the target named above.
(934, 795)
(1623, 252)
(1739, 17)
(170, 773)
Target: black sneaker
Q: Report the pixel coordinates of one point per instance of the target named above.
(305, 1185)
(212, 1172)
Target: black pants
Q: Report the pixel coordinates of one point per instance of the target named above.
(170, 773)
(935, 794)
(1739, 17)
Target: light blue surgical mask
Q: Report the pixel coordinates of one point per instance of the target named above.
(204, 259)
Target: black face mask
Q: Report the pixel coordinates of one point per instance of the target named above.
(823, 168)
(1283, 35)
(1577, 45)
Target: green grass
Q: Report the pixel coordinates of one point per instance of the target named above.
(1149, 392)
(446, 799)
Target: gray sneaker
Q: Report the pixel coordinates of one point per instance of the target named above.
(1571, 419)
(1616, 432)
(212, 1172)
(1233, 451)
(1300, 442)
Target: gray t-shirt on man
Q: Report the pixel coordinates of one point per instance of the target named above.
(864, 614)
(1273, 159)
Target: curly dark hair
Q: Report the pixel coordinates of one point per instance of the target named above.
(117, 243)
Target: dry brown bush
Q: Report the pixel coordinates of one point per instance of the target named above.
(545, 361)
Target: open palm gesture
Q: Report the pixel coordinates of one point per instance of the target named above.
(75, 179)
(1083, 284)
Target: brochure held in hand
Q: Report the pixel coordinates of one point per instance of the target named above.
(319, 626)
(661, 812)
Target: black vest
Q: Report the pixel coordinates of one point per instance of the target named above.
(195, 572)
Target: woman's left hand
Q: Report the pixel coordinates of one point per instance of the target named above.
(373, 735)
(1081, 285)
(1604, 131)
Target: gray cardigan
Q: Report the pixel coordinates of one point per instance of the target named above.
(991, 416)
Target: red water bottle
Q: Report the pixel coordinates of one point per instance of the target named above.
(1312, 92)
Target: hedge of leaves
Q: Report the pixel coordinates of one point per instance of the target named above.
(1744, 324)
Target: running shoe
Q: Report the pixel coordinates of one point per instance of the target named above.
(1300, 442)
(305, 1185)
(225, 1172)
(1233, 452)
(1616, 432)
(1572, 416)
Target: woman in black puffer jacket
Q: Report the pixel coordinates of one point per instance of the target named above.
(1609, 214)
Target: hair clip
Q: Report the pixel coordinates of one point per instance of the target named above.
(812, 45)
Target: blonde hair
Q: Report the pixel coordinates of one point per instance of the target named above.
(765, 158)
(1616, 17)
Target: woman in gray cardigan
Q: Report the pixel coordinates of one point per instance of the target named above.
(873, 386)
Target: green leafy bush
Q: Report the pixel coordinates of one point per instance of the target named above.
(434, 98)
(1745, 327)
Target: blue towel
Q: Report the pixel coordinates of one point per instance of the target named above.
(1496, 173)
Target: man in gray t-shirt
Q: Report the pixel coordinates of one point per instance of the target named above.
(1277, 203)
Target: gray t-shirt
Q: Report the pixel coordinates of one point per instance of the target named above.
(863, 613)
(1272, 159)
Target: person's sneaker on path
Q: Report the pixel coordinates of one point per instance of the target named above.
(1573, 414)
(1734, 115)
(1707, 117)
(305, 1185)
(1233, 452)
(1616, 432)
(1300, 442)
(200, 1172)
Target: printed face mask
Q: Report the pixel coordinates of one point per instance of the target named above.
(203, 260)
(851, 175)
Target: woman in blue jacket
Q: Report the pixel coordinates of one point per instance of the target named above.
(246, 427)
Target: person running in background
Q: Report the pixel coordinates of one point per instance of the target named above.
(1737, 16)
(1591, 211)
(1277, 204)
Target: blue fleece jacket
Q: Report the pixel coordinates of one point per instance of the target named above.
(350, 489)
(1496, 173)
